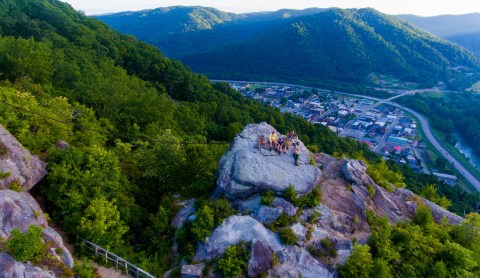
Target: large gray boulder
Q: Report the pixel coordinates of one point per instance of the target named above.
(16, 162)
(245, 170)
(356, 171)
(234, 230)
(11, 268)
(297, 262)
(20, 210)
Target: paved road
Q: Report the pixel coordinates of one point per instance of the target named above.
(424, 123)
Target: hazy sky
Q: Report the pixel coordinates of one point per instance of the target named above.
(418, 7)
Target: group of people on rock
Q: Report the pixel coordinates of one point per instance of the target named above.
(281, 144)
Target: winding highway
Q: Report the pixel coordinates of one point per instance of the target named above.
(423, 121)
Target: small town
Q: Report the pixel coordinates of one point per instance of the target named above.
(386, 130)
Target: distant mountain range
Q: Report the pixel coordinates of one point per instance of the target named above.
(308, 46)
(462, 29)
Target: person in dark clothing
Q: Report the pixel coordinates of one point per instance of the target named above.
(296, 152)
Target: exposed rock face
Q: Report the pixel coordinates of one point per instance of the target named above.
(260, 259)
(20, 210)
(296, 262)
(437, 211)
(285, 206)
(245, 170)
(233, 230)
(266, 214)
(23, 168)
(355, 171)
(187, 210)
(10, 268)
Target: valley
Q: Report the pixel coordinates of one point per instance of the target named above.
(142, 160)
(388, 128)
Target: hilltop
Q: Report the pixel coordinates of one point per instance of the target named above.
(312, 46)
(181, 31)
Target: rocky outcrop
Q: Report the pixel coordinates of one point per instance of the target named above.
(17, 165)
(297, 262)
(20, 210)
(356, 171)
(261, 259)
(348, 192)
(245, 170)
(183, 214)
(11, 268)
(438, 213)
(234, 230)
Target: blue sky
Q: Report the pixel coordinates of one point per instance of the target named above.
(418, 7)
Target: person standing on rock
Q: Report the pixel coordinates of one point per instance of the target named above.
(273, 140)
(296, 152)
(262, 141)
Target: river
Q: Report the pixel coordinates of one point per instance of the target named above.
(464, 148)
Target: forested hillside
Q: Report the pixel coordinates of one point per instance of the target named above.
(144, 132)
(181, 31)
(462, 29)
(341, 45)
(141, 127)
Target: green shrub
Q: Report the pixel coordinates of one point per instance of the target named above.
(312, 160)
(283, 220)
(329, 247)
(203, 224)
(85, 269)
(267, 197)
(28, 246)
(4, 175)
(287, 236)
(290, 194)
(233, 262)
(371, 190)
(16, 186)
(312, 199)
(313, 148)
(423, 216)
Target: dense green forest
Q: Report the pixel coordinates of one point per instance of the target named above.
(141, 127)
(340, 45)
(421, 248)
(180, 31)
(450, 113)
(144, 131)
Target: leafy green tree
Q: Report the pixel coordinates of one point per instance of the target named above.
(359, 264)
(101, 223)
(203, 224)
(430, 193)
(233, 262)
(27, 246)
(423, 216)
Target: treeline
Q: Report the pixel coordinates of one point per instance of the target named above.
(449, 113)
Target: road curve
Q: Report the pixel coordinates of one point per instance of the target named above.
(423, 121)
(428, 133)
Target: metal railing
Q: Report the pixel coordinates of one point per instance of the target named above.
(120, 263)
